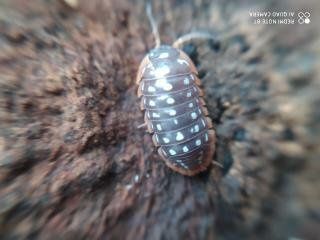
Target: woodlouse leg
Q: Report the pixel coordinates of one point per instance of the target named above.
(149, 127)
(142, 106)
(161, 154)
(154, 140)
(143, 125)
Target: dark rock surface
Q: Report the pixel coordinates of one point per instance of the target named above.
(74, 165)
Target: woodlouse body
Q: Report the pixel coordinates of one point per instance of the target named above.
(175, 111)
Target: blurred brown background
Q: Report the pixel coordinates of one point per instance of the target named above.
(73, 165)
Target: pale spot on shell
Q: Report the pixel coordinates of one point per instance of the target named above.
(190, 105)
(151, 89)
(172, 112)
(172, 152)
(188, 94)
(152, 103)
(159, 127)
(182, 61)
(193, 115)
(161, 71)
(186, 81)
(164, 55)
(155, 115)
(162, 83)
(185, 149)
(183, 165)
(166, 140)
(196, 128)
(198, 142)
(179, 136)
(163, 97)
(170, 100)
(175, 121)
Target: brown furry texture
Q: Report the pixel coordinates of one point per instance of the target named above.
(74, 165)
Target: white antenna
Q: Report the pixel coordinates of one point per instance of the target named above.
(193, 35)
(153, 24)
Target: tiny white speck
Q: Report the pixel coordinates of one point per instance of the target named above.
(179, 160)
(170, 100)
(179, 136)
(152, 103)
(155, 115)
(196, 128)
(186, 81)
(198, 142)
(148, 114)
(164, 55)
(206, 137)
(142, 87)
(192, 130)
(193, 115)
(185, 149)
(166, 140)
(172, 112)
(151, 89)
(159, 127)
(136, 178)
(175, 121)
(190, 105)
(172, 152)
(188, 94)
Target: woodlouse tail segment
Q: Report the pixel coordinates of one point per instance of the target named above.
(205, 111)
(202, 102)
(193, 35)
(200, 91)
(209, 122)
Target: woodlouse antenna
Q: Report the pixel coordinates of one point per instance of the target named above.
(193, 35)
(153, 24)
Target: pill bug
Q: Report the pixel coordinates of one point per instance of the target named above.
(175, 112)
